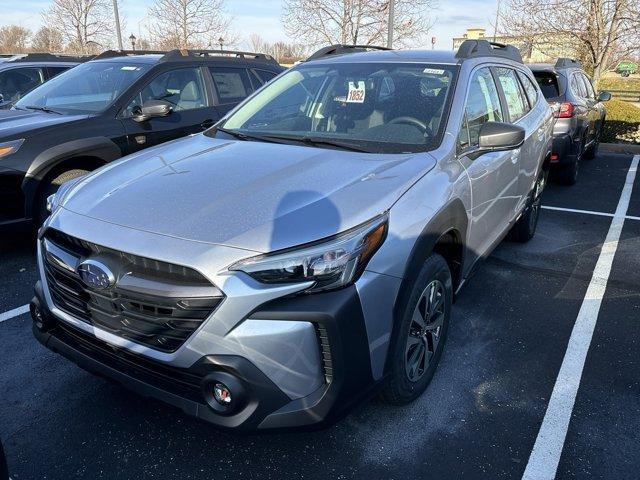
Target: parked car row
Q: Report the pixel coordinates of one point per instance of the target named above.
(275, 247)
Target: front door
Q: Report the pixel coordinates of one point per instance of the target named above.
(493, 176)
(184, 89)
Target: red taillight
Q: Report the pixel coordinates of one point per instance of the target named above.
(564, 110)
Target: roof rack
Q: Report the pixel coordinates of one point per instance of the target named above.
(485, 48)
(125, 53)
(340, 49)
(177, 55)
(563, 62)
(47, 57)
(181, 54)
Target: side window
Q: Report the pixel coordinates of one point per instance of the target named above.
(483, 105)
(182, 88)
(587, 83)
(16, 82)
(577, 86)
(265, 76)
(516, 102)
(53, 71)
(232, 84)
(530, 89)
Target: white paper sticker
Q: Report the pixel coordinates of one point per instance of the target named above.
(433, 71)
(129, 68)
(356, 92)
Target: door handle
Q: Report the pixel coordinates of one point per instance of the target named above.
(541, 134)
(515, 155)
(208, 123)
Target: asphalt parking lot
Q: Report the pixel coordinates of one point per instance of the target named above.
(480, 418)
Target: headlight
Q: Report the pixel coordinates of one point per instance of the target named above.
(7, 148)
(331, 263)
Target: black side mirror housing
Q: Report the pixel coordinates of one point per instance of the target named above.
(152, 109)
(498, 136)
(604, 96)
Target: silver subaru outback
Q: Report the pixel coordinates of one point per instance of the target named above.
(303, 254)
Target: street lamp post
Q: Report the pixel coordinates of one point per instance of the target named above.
(390, 24)
(132, 39)
(221, 42)
(117, 18)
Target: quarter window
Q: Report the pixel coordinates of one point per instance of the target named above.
(587, 83)
(483, 105)
(516, 101)
(182, 88)
(232, 84)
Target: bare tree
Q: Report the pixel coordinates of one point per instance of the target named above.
(282, 51)
(600, 30)
(47, 39)
(86, 24)
(355, 21)
(189, 23)
(14, 39)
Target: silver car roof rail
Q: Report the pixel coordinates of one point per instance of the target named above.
(485, 48)
(341, 49)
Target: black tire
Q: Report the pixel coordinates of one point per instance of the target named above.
(525, 228)
(49, 187)
(400, 389)
(568, 174)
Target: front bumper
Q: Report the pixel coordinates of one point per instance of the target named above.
(342, 340)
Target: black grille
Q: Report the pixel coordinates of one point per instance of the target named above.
(162, 322)
(176, 380)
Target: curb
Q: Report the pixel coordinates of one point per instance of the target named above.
(629, 148)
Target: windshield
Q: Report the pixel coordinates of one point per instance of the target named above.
(374, 107)
(87, 88)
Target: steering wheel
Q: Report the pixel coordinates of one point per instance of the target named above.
(406, 120)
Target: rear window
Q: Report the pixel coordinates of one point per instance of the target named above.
(548, 84)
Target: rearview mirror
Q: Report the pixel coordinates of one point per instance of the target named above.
(498, 136)
(152, 109)
(604, 96)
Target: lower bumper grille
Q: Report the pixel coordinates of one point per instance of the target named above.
(153, 303)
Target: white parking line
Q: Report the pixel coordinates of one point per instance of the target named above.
(545, 456)
(588, 212)
(14, 313)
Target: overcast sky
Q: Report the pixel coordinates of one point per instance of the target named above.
(263, 17)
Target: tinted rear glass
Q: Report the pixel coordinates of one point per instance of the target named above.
(548, 84)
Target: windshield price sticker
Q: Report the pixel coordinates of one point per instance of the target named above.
(356, 92)
(433, 71)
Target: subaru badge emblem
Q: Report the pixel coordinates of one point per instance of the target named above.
(96, 275)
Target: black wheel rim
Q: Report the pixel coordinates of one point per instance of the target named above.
(425, 330)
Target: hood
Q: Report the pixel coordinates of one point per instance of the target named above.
(251, 195)
(15, 122)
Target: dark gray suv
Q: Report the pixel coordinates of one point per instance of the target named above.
(579, 113)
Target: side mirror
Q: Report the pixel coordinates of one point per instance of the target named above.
(152, 109)
(498, 136)
(604, 96)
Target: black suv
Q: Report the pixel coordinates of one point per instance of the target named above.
(579, 112)
(19, 74)
(114, 105)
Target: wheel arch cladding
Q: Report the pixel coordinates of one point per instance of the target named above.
(87, 154)
(445, 235)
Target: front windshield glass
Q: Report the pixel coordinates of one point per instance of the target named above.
(87, 88)
(374, 107)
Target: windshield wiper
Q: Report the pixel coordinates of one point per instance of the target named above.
(42, 109)
(245, 136)
(320, 141)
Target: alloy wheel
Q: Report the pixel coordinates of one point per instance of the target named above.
(425, 330)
